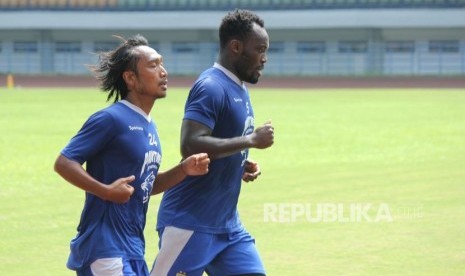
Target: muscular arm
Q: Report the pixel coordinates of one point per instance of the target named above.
(196, 137)
(119, 191)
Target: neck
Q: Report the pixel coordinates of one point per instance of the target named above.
(140, 101)
(225, 62)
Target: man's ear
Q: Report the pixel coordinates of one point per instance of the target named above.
(129, 77)
(236, 46)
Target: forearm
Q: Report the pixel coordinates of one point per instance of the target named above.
(167, 179)
(196, 137)
(75, 174)
(216, 147)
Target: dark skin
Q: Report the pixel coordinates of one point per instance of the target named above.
(245, 59)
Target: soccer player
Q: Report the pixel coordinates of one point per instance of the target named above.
(122, 152)
(198, 221)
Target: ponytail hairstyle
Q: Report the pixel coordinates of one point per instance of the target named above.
(112, 64)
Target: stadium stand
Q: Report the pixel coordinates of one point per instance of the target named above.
(308, 37)
(161, 5)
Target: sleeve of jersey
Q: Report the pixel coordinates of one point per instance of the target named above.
(91, 138)
(205, 103)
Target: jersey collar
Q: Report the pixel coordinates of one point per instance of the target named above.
(229, 74)
(136, 109)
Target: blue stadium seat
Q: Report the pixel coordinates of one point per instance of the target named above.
(131, 4)
(112, 3)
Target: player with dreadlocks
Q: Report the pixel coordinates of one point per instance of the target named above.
(122, 152)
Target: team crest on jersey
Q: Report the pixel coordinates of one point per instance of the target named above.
(248, 129)
(152, 160)
(147, 186)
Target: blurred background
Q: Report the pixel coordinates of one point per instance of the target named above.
(307, 37)
(402, 147)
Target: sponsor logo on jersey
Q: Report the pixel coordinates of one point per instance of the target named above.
(133, 128)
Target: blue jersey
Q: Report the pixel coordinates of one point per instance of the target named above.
(115, 142)
(208, 203)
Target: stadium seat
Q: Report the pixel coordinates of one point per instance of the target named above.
(87, 3)
(225, 4)
(40, 3)
(13, 3)
(99, 4)
(61, 4)
(314, 3)
(183, 4)
(124, 4)
(251, 3)
(164, 4)
(111, 3)
(285, 4)
(74, 3)
(55, 3)
(4, 4)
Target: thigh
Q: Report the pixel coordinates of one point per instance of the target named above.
(103, 267)
(185, 252)
(115, 267)
(240, 257)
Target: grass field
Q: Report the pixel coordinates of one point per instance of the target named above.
(335, 153)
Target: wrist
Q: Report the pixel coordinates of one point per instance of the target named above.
(249, 141)
(102, 191)
(182, 168)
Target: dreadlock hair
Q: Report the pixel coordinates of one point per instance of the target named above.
(237, 25)
(112, 64)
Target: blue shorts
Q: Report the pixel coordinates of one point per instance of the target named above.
(185, 252)
(115, 266)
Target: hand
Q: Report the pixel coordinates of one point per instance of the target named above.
(263, 137)
(196, 164)
(251, 171)
(120, 191)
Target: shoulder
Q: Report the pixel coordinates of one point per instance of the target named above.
(210, 81)
(209, 85)
(105, 117)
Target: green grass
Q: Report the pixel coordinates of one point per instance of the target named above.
(401, 148)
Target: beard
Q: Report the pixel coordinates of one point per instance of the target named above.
(245, 72)
(253, 79)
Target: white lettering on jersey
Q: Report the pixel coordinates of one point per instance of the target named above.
(132, 128)
(152, 140)
(152, 158)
